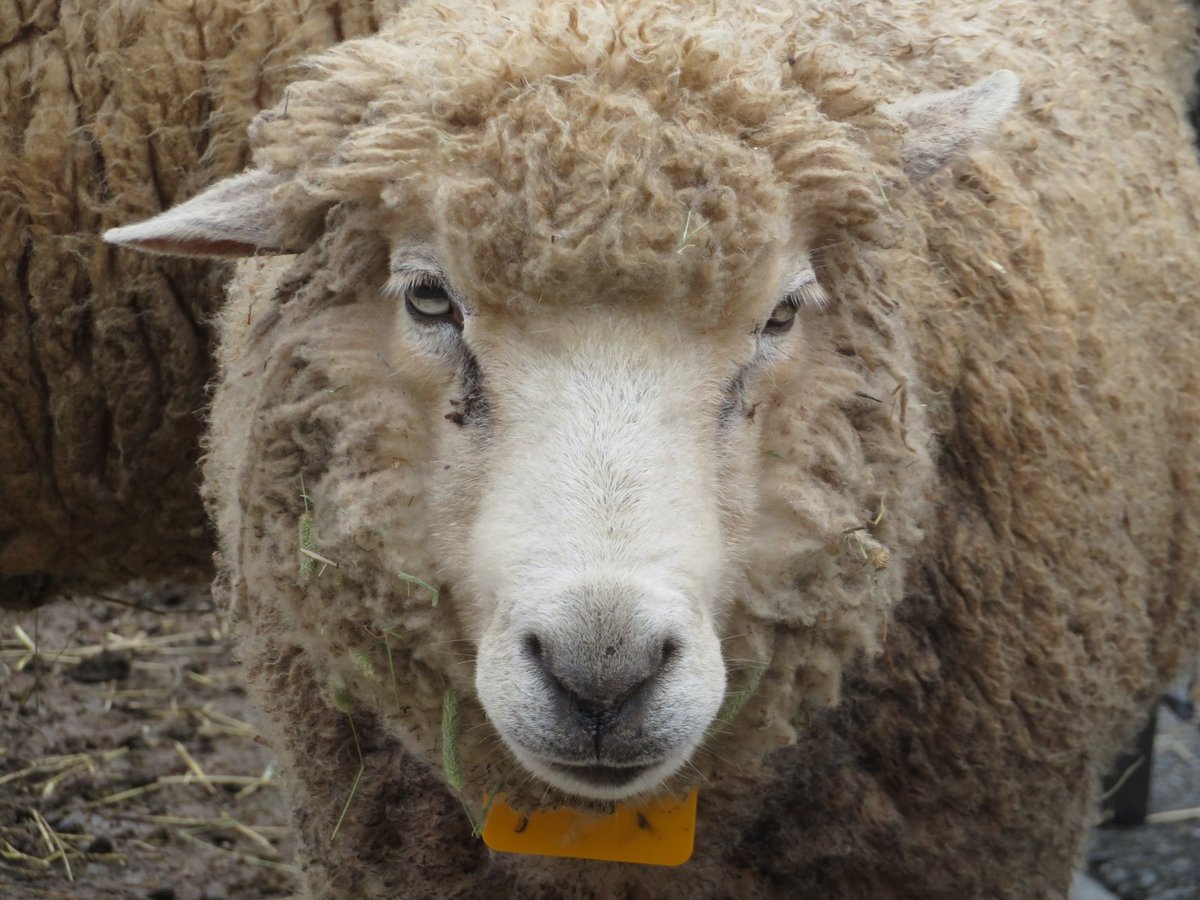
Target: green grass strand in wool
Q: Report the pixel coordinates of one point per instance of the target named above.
(424, 585)
(451, 761)
(308, 541)
(387, 646)
(362, 661)
(492, 795)
(737, 698)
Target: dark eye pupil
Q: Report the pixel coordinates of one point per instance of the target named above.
(429, 292)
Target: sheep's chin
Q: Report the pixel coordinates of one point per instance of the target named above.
(559, 776)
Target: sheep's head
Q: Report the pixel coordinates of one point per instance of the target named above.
(630, 284)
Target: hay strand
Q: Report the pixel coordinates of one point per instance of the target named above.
(1174, 815)
(362, 765)
(194, 767)
(54, 844)
(242, 857)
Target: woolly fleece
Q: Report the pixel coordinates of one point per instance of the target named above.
(974, 554)
(113, 111)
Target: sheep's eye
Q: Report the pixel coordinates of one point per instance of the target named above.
(428, 300)
(804, 294)
(783, 317)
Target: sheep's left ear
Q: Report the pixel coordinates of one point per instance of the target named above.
(942, 125)
(235, 217)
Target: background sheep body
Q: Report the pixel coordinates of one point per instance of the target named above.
(114, 111)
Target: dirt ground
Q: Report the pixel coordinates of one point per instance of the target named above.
(129, 766)
(128, 761)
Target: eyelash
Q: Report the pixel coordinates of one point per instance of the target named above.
(809, 295)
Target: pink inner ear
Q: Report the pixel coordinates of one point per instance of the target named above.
(199, 246)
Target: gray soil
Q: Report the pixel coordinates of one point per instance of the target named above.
(130, 766)
(1159, 860)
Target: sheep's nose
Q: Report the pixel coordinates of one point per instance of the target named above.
(602, 685)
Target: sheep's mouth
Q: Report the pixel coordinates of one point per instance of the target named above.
(602, 776)
(593, 779)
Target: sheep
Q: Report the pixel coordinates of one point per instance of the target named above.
(794, 404)
(112, 111)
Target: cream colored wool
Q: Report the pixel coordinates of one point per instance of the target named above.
(967, 520)
(110, 111)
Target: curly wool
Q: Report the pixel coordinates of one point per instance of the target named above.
(112, 111)
(975, 553)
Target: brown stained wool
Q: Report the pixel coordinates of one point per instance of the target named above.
(974, 558)
(111, 111)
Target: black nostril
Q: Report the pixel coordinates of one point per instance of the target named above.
(533, 646)
(670, 649)
(590, 713)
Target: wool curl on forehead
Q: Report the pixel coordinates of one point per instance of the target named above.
(456, 99)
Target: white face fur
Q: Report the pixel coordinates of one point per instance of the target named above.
(596, 443)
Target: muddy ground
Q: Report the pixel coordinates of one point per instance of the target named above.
(129, 766)
(127, 743)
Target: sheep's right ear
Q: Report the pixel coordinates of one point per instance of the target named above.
(941, 125)
(235, 217)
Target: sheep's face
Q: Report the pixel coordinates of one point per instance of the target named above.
(596, 475)
(604, 454)
(595, 479)
(596, 446)
(595, 554)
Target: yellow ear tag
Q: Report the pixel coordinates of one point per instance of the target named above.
(661, 832)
